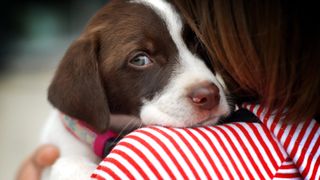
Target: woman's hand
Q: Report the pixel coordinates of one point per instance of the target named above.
(43, 157)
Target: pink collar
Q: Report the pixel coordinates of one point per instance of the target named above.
(81, 131)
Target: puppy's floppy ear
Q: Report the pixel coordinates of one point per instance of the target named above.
(77, 89)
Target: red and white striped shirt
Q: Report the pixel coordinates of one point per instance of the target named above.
(267, 150)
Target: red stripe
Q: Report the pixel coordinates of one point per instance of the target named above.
(259, 111)
(231, 142)
(291, 166)
(212, 146)
(184, 156)
(108, 171)
(256, 149)
(132, 162)
(227, 151)
(119, 165)
(139, 153)
(265, 146)
(287, 165)
(247, 153)
(276, 120)
(316, 168)
(194, 154)
(288, 175)
(281, 130)
(266, 118)
(168, 152)
(313, 152)
(97, 176)
(289, 136)
(307, 144)
(204, 150)
(251, 107)
(155, 153)
(299, 138)
(274, 143)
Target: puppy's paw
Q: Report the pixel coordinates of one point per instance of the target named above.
(71, 168)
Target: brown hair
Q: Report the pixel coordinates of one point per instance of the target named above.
(267, 51)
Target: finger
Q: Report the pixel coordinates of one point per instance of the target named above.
(28, 171)
(32, 167)
(45, 156)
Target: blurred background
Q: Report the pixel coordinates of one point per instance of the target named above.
(34, 37)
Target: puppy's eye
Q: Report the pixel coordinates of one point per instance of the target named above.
(141, 61)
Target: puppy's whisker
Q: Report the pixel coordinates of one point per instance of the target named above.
(127, 126)
(131, 121)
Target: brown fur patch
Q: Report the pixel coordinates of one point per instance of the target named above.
(94, 77)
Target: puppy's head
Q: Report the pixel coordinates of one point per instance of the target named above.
(131, 59)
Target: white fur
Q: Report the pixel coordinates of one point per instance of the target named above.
(171, 107)
(76, 161)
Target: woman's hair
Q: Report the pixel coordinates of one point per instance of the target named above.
(265, 50)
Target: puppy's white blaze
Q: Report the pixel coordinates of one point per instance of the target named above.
(171, 106)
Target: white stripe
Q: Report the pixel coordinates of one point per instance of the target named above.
(295, 136)
(301, 146)
(115, 169)
(315, 157)
(278, 126)
(297, 178)
(287, 163)
(250, 148)
(138, 160)
(312, 124)
(163, 155)
(102, 174)
(283, 170)
(199, 152)
(288, 171)
(262, 150)
(184, 148)
(279, 122)
(214, 156)
(232, 152)
(255, 109)
(241, 151)
(144, 150)
(318, 171)
(126, 164)
(285, 134)
(271, 118)
(173, 150)
(272, 148)
(263, 114)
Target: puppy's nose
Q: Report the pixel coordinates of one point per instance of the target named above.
(205, 96)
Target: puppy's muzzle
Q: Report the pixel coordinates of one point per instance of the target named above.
(205, 96)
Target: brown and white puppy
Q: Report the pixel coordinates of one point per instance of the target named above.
(131, 59)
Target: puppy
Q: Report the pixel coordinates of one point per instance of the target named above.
(131, 59)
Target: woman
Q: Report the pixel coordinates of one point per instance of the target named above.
(268, 52)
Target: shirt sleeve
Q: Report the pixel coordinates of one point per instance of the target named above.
(230, 151)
